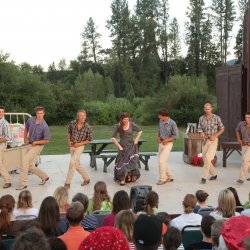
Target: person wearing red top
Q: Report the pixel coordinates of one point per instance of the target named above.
(75, 234)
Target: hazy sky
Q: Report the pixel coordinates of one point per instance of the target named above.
(43, 31)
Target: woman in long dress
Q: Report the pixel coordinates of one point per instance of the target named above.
(127, 161)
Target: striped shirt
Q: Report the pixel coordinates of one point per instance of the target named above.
(5, 132)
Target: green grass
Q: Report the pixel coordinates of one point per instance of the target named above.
(58, 143)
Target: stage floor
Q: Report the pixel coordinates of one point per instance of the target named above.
(186, 180)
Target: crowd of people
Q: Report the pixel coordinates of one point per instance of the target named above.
(100, 222)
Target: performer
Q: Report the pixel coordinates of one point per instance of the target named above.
(167, 134)
(210, 128)
(5, 135)
(243, 137)
(127, 161)
(36, 134)
(79, 135)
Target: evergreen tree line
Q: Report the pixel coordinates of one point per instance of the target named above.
(143, 71)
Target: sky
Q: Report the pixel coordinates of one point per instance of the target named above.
(43, 31)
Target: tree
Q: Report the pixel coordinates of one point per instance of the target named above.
(175, 44)
(62, 64)
(224, 17)
(91, 39)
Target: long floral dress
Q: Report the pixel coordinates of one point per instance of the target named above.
(127, 160)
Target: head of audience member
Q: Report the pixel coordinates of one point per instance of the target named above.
(75, 213)
(236, 196)
(120, 201)
(206, 224)
(189, 203)
(172, 239)
(83, 199)
(208, 108)
(56, 244)
(31, 239)
(24, 200)
(139, 205)
(2, 111)
(7, 205)
(100, 195)
(125, 220)
(147, 232)
(49, 215)
(216, 232)
(226, 203)
(105, 238)
(81, 116)
(163, 115)
(61, 195)
(123, 121)
(201, 197)
(151, 202)
(40, 112)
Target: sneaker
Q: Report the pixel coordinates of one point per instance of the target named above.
(43, 181)
(203, 181)
(240, 181)
(7, 185)
(21, 187)
(212, 178)
(161, 182)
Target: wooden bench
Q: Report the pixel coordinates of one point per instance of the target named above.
(228, 148)
(108, 158)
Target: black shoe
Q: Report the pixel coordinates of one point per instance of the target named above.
(248, 179)
(240, 181)
(212, 178)
(203, 181)
(7, 185)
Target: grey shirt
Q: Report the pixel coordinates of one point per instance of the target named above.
(37, 131)
(168, 129)
(5, 130)
(244, 131)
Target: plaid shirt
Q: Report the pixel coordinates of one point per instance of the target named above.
(5, 130)
(210, 126)
(76, 136)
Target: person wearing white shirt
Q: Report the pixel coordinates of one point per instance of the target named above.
(188, 217)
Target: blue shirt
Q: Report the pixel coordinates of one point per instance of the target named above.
(37, 131)
(168, 129)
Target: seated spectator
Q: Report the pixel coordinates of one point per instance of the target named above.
(226, 205)
(105, 238)
(165, 220)
(56, 244)
(201, 197)
(172, 239)
(83, 199)
(125, 220)
(101, 199)
(7, 205)
(206, 224)
(25, 210)
(31, 239)
(120, 202)
(49, 218)
(151, 203)
(216, 232)
(75, 234)
(239, 207)
(189, 217)
(61, 195)
(147, 232)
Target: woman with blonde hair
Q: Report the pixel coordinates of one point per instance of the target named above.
(61, 195)
(25, 209)
(101, 200)
(226, 205)
(125, 220)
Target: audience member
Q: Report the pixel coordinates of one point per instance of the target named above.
(120, 202)
(151, 203)
(61, 195)
(25, 209)
(172, 239)
(188, 217)
(201, 197)
(56, 244)
(236, 196)
(216, 232)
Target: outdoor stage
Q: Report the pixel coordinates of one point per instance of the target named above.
(187, 180)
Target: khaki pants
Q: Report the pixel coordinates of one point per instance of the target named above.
(164, 152)
(208, 153)
(3, 170)
(74, 164)
(245, 162)
(29, 165)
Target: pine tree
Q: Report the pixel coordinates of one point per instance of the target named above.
(175, 43)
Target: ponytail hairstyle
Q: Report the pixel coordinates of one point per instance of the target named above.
(7, 205)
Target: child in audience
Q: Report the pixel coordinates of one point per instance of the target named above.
(101, 199)
(172, 239)
(201, 197)
(61, 195)
(125, 220)
(151, 203)
(188, 217)
(25, 210)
